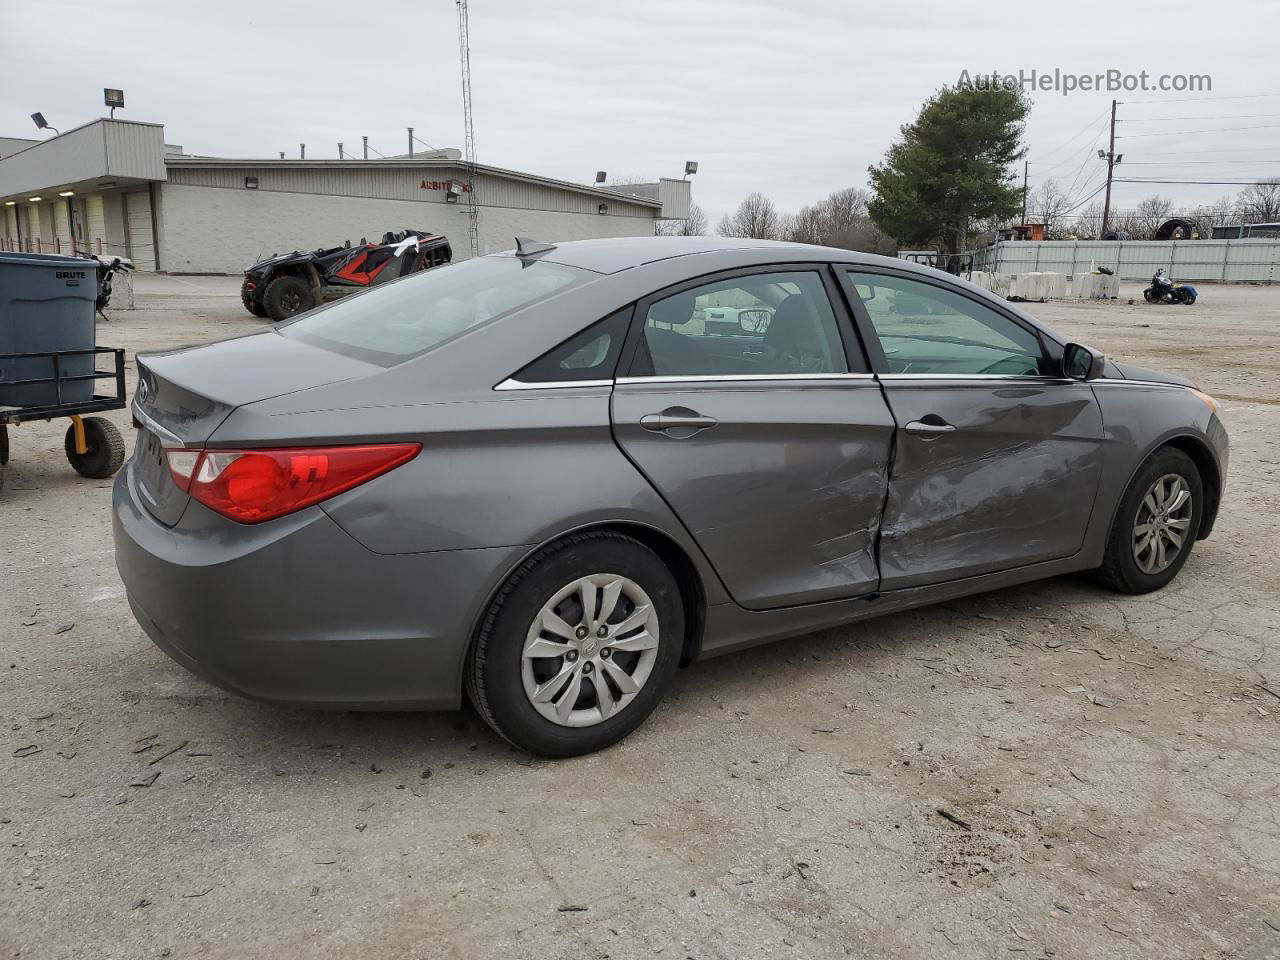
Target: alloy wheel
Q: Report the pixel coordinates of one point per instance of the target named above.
(1163, 524)
(590, 650)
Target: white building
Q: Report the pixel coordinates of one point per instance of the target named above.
(115, 187)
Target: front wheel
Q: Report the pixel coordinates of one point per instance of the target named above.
(104, 448)
(1149, 295)
(1155, 525)
(579, 646)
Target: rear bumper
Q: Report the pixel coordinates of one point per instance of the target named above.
(297, 611)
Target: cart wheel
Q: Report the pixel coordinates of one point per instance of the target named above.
(105, 451)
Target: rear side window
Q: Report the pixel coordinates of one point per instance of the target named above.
(589, 355)
(408, 317)
(762, 324)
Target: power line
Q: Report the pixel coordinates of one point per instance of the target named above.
(1183, 133)
(1085, 129)
(1226, 116)
(1242, 96)
(1226, 183)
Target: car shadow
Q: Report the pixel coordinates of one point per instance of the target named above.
(265, 741)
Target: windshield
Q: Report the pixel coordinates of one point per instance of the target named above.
(392, 323)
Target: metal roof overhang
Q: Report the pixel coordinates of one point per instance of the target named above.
(101, 155)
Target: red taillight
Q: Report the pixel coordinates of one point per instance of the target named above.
(251, 486)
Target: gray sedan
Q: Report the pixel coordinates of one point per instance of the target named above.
(549, 477)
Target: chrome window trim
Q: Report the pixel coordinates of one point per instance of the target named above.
(513, 384)
(747, 377)
(979, 377)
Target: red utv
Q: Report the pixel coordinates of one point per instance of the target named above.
(288, 284)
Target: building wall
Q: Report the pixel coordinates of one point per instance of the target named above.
(401, 181)
(213, 230)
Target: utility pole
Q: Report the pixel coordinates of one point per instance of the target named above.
(366, 147)
(1111, 165)
(469, 136)
(1026, 166)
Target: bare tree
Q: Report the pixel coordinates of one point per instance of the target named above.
(1260, 202)
(756, 217)
(840, 220)
(695, 225)
(1148, 216)
(1048, 204)
(1088, 222)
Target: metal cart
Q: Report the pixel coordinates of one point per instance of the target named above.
(94, 445)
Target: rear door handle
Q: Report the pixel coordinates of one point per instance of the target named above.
(677, 422)
(928, 431)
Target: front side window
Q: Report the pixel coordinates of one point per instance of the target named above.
(926, 329)
(766, 324)
(405, 318)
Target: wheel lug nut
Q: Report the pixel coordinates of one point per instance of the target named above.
(602, 632)
(586, 667)
(571, 655)
(605, 653)
(580, 632)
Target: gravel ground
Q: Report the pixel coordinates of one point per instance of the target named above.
(785, 802)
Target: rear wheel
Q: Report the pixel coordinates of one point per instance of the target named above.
(1149, 295)
(286, 297)
(1188, 298)
(104, 451)
(1155, 525)
(579, 646)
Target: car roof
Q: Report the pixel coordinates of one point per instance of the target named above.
(614, 254)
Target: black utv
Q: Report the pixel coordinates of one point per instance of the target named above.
(287, 284)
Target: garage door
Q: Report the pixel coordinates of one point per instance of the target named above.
(95, 221)
(142, 249)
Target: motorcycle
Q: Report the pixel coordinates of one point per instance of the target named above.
(1164, 290)
(106, 269)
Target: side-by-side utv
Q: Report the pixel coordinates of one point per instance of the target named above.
(288, 284)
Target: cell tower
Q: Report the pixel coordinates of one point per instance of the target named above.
(469, 145)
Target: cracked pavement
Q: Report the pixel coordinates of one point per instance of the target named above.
(1115, 759)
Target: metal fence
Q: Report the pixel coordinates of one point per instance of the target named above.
(1227, 261)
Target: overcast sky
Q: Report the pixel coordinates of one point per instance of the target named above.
(794, 99)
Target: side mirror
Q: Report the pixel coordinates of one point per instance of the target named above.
(1082, 363)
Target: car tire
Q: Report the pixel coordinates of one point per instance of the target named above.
(287, 297)
(1123, 563)
(105, 448)
(502, 679)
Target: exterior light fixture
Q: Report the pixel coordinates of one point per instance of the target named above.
(690, 167)
(453, 191)
(601, 176)
(38, 119)
(603, 208)
(251, 183)
(1102, 154)
(113, 98)
(34, 199)
(67, 193)
(10, 203)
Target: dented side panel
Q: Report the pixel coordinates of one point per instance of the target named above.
(1013, 484)
(783, 493)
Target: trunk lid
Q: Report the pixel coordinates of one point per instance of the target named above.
(184, 395)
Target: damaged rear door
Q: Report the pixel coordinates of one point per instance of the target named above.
(998, 456)
(770, 442)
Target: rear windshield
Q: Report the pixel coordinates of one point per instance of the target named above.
(392, 323)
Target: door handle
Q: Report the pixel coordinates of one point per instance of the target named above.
(929, 431)
(677, 422)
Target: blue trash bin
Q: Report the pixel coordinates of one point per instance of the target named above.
(46, 304)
